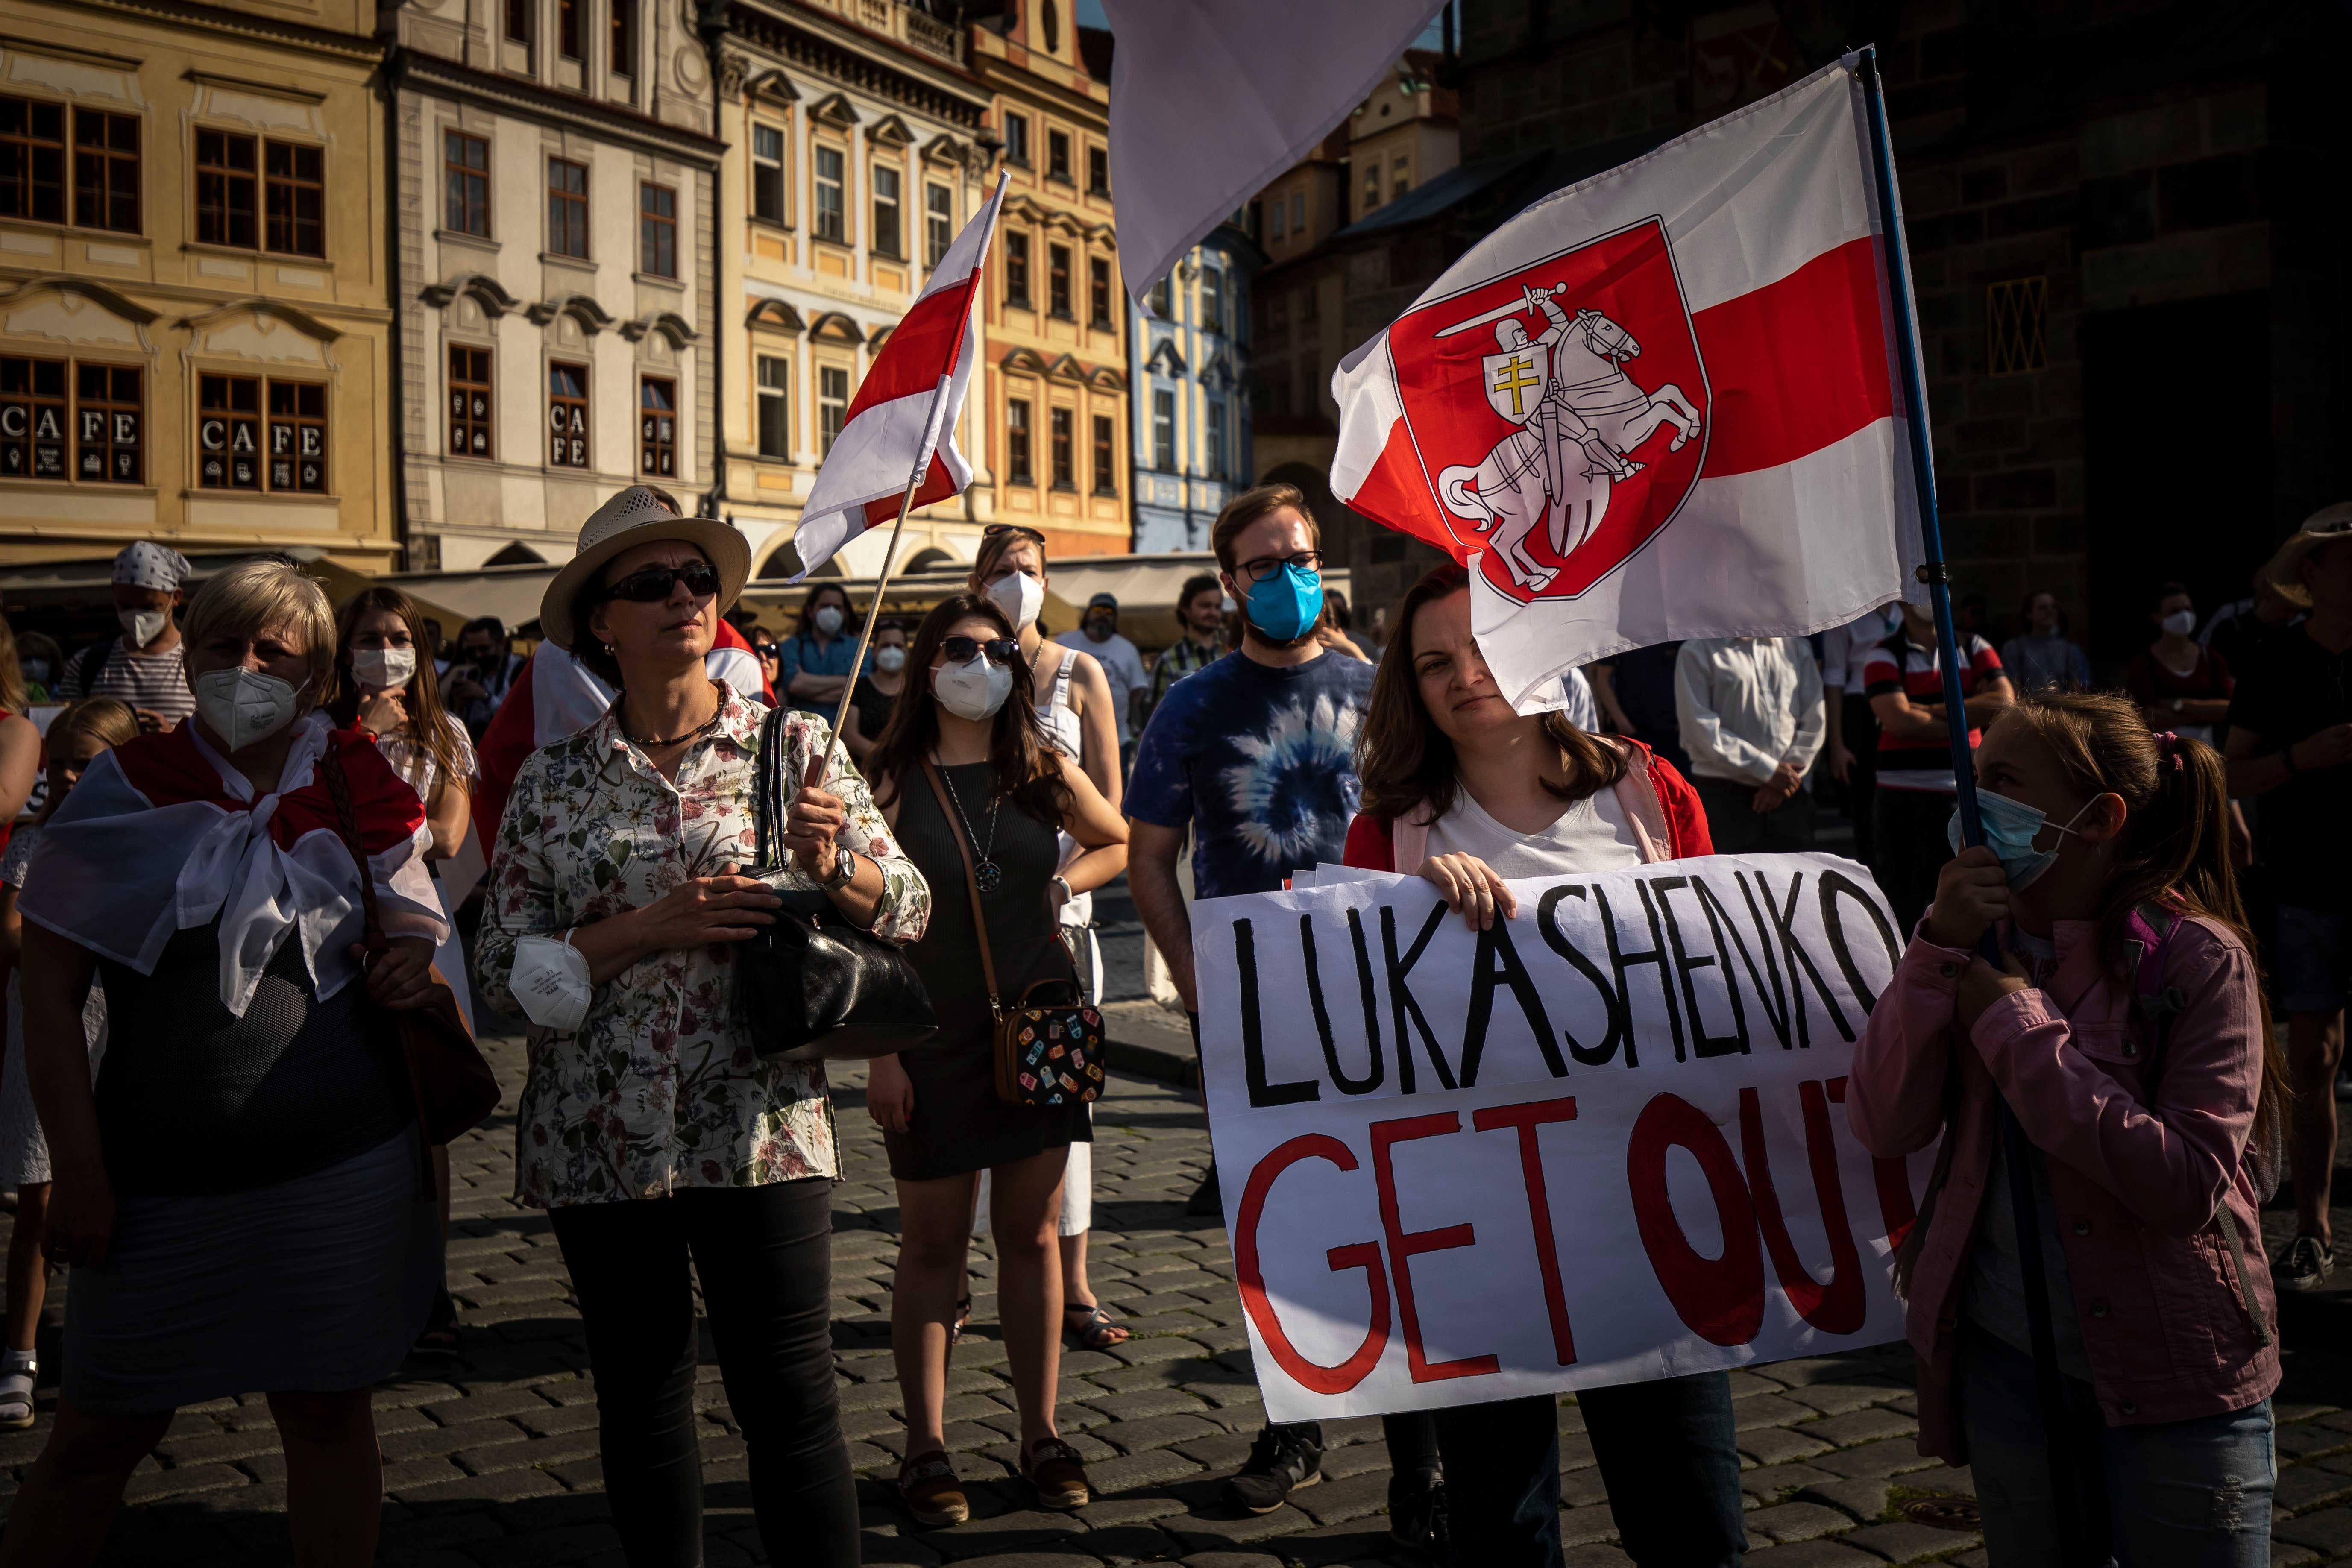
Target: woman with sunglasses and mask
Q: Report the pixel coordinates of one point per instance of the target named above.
(1010, 796)
(648, 1128)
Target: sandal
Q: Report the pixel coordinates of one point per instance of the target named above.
(440, 1335)
(931, 1491)
(16, 1375)
(962, 1316)
(1058, 1472)
(1092, 1328)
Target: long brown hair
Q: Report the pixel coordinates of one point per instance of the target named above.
(1027, 767)
(12, 674)
(2174, 851)
(103, 718)
(436, 731)
(1404, 760)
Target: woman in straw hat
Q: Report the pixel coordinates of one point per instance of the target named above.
(648, 1126)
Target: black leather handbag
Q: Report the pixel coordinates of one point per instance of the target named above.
(812, 987)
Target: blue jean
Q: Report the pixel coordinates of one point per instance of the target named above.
(1666, 1455)
(2174, 1494)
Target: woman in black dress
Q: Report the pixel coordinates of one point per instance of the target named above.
(968, 711)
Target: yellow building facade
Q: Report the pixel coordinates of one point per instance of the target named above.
(195, 316)
(1055, 378)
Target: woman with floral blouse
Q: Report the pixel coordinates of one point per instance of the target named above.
(648, 1127)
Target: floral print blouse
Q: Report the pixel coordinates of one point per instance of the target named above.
(659, 1089)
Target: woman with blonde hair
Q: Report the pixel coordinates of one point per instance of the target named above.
(247, 1169)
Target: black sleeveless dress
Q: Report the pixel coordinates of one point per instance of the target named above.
(959, 1125)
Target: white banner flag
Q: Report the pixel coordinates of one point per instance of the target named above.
(1602, 1142)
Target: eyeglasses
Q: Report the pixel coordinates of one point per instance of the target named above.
(764, 649)
(993, 529)
(999, 650)
(1259, 571)
(654, 582)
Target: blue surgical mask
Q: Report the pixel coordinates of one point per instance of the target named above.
(2010, 826)
(1283, 603)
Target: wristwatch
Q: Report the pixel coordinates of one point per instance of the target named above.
(845, 869)
(1062, 882)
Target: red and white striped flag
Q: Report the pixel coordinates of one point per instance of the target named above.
(1661, 403)
(904, 410)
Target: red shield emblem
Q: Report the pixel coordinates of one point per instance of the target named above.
(1559, 412)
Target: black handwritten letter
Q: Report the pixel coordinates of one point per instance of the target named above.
(1547, 922)
(1254, 1032)
(1322, 1015)
(1402, 999)
(1498, 960)
(1784, 920)
(1833, 886)
(1620, 961)
(1734, 1044)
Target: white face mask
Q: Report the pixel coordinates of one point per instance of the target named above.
(828, 620)
(973, 690)
(242, 706)
(1020, 597)
(144, 625)
(383, 668)
(889, 660)
(2180, 622)
(551, 982)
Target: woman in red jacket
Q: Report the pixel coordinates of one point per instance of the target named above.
(1464, 791)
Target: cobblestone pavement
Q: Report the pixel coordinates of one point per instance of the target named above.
(491, 1459)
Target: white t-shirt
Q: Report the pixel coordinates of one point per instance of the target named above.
(1122, 666)
(1591, 836)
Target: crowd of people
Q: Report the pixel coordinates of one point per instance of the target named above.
(245, 792)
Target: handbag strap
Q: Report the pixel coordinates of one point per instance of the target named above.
(766, 779)
(971, 887)
(330, 768)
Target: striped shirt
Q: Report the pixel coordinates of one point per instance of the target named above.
(155, 682)
(1898, 664)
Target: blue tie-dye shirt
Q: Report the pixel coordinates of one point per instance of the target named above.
(1260, 762)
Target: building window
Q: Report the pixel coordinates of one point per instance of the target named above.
(1213, 298)
(226, 178)
(1298, 212)
(830, 204)
(1371, 187)
(1057, 154)
(1016, 270)
(887, 232)
(1099, 290)
(1399, 179)
(567, 29)
(1164, 431)
(1098, 171)
(624, 37)
(657, 230)
(1057, 279)
(108, 413)
(939, 223)
(106, 170)
(1214, 442)
(1016, 138)
(1063, 422)
(465, 184)
(228, 432)
(33, 164)
(775, 430)
(567, 415)
(1276, 229)
(518, 19)
(657, 427)
(768, 172)
(469, 402)
(296, 191)
(567, 207)
(32, 418)
(832, 406)
(1106, 456)
(297, 436)
(1017, 443)
(2013, 317)
(1161, 302)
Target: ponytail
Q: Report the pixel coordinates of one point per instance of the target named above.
(2174, 851)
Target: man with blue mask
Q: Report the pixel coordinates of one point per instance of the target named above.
(1255, 756)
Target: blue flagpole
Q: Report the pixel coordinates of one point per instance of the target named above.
(2017, 1153)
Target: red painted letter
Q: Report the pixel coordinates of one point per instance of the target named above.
(1721, 1298)
(1894, 1180)
(1250, 1278)
(1403, 1247)
(1838, 1307)
(1527, 1119)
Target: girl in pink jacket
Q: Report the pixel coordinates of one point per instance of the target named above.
(2127, 1030)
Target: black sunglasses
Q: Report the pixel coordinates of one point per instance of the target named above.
(999, 650)
(652, 584)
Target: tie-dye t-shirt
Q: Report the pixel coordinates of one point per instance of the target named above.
(1260, 761)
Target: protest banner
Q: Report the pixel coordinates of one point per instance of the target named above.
(1601, 1142)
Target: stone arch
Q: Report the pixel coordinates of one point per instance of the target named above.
(516, 555)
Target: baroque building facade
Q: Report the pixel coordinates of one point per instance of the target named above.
(556, 209)
(195, 309)
(858, 149)
(1191, 433)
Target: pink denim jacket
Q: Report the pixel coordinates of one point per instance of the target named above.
(2163, 1321)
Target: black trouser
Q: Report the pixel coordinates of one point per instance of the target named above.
(1736, 827)
(765, 1257)
(1913, 845)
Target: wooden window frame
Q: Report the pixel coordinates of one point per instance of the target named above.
(1018, 433)
(656, 229)
(939, 222)
(832, 407)
(831, 221)
(106, 173)
(23, 154)
(889, 238)
(465, 185)
(656, 429)
(473, 402)
(23, 450)
(622, 19)
(286, 193)
(1016, 140)
(288, 435)
(778, 393)
(1016, 272)
(1059, 299)
(1062, 434)
(1097, 171)
(518, 19)
(1099, 291)
(567, 209)
(121, 454)
(1058, 156)
(1163, 429)
(217, 184)
(1105, 454)
(567, 29)
(1216, 438)
(770, 187)
(569, 433)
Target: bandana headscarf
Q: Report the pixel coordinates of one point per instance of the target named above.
(147, 565)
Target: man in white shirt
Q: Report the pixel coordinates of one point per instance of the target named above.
(1853, 758)
(1121, 661)
(1751, 709)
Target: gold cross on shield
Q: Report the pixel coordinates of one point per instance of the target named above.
(1514, 378)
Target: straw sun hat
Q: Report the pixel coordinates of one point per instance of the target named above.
(634, 517)
(2284, 570)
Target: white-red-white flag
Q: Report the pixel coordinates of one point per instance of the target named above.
(904, 410)
(1661, 403)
